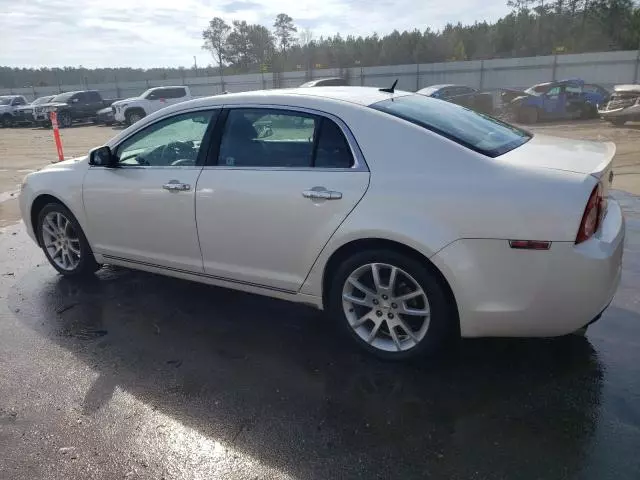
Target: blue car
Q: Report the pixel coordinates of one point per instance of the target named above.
(566, 99)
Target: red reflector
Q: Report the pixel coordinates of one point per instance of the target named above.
(530, 244)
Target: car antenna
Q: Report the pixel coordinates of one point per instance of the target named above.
(390, 90)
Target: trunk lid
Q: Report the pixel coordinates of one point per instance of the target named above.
(579, 156)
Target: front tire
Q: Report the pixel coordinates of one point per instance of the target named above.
(6, 121)
(64, 120)
(63, 242)
(133, 116)
(528, 115)
(392, 305)
(617, 122)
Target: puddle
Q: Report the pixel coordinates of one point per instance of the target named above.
(4, 196)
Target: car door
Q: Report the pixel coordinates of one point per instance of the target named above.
(94, 103)
(143, 211)
(554, 102)
(283, 180)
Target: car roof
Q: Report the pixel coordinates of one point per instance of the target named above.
(364, 96)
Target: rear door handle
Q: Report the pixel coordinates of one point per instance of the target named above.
(321, 194)
(176, 186)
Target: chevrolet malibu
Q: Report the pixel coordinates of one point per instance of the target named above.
(409, 220)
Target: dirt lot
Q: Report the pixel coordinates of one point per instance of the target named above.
(23, 150)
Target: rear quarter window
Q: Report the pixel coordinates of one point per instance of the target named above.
(475, 131)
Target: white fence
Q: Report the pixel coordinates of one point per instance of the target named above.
(604, 68)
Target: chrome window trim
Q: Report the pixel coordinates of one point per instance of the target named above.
(359, 163)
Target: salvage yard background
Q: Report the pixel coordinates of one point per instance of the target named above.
(604, 68)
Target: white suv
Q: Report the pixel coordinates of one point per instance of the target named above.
(130, 110)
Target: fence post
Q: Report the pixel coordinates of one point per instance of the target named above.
(481, 75)
(555, 67)
(417, 76)
(635, 72)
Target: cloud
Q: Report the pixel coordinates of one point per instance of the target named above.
(151, 33)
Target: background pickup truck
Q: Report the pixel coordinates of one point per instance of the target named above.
(9, 105)
(130, 110)
(73, 106)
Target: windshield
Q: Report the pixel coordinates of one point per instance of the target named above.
(476, 131)
(40, 100)
(62, 98)
(537, 90)
(5, 100)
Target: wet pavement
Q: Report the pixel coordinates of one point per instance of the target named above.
(132, 375)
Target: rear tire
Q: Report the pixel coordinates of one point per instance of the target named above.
(617, 122)
(63, 242)
(379, 320)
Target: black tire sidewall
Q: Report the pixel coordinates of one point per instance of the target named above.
(87, 264)
(64, 120)
(442, 321)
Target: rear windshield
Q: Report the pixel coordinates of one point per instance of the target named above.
(476, 131)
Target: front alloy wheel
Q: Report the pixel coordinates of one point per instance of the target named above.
(63, 241)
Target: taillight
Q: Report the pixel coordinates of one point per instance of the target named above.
(592, 215)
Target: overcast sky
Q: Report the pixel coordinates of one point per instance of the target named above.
(155, 33)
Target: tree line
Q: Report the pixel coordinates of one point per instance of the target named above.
(533, 27)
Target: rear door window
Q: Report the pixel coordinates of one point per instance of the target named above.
(476, 131)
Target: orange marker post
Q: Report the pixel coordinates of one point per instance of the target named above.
(56, 135)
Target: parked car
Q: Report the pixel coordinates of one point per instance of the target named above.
(72, 107)
(408, 219)
(132, 110)
(27, 113)
(623, 106)
(565, 99)
(105, 116)
(9, 105)
(326, 82)
(461, 95)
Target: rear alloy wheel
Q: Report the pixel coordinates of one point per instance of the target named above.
(391, 305)
(63, 241)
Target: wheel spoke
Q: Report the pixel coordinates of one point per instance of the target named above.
(407, 329)
(363, 319)
(418, 312)
(392, 280)
(374, 331)
(365, 302)
(396, 339)
(361, 287)
(47, 228)
(56, 252)
(375, 272)
(59, 223)
(51, 224)
(409, 296)
(74, 249)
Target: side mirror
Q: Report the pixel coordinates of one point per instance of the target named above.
(103, 157)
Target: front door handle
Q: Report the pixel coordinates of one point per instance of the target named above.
(176, 186)
(318, 193)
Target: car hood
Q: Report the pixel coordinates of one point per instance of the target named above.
(4, 108)
(126, 100)
(105, 110)
(68, 164)
(52, 104)
(544, 151)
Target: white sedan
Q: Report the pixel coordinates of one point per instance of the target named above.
(408, 219)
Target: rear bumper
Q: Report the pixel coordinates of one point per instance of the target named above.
(624, 112)
(502, 292)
